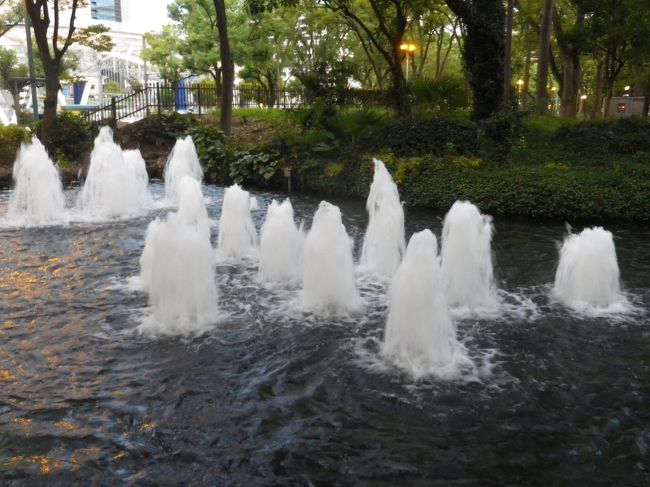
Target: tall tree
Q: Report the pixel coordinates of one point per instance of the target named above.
(543, 58)
(227, 68)
(483, 51)
(53, 46)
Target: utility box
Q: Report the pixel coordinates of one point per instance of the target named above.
(626, 106)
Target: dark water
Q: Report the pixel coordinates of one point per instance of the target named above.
(274, 397)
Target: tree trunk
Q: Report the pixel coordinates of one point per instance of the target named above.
(483, 52)
(598, 91)
(507, 63)
(52, 86)
(398, 88)
(543, 55)
(227, 68)
(570, 85)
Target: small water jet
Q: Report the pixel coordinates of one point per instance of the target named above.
(177, 268)
(587, 276)
(467, 258)
(384, 242)
(182, 161)
(113, 186)
(38, 194)
(420, 336)
(281, 244)
(328, 273)
(237, 236)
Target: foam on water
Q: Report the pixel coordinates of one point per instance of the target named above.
(328, 271)
(467, 259)
(113, 186)
(237, 235)
(182, 161)
(420, 336)
(587, 278)
(37, 196)
(384, 242)
(281, 242)
(177, 268)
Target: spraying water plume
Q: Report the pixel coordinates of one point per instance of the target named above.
(281, 244)
(420, 336)
(182, 161)
(237, 235)
(328, 273)
(467, 258)
(38, 194)
(177, 268)
(384, 242)
(587, 276)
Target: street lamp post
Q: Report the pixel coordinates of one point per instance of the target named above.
(520, 86)
(409, 50)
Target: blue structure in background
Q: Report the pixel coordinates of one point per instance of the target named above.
(181, 96)
(78, 91)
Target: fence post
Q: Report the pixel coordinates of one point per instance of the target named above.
(146, 98)
(198, 97)
(158, 101)
(113, 112)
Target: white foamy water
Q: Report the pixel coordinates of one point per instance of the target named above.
(420, 336)
(37, 197)
(177, 268)
(587, 278)
(182, 161)
(281, 242)
(328, 272)
(114, 184)
(384, 242)
(237, 235)
(467, 259)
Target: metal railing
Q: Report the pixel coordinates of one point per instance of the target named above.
(201, 98)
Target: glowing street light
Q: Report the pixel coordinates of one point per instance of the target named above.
(409, 50)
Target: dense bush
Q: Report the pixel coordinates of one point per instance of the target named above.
(443, 94)
(71, 136)
(414, 136)
(156, 128)
(211, 149)
(11, 136)
(624, 136)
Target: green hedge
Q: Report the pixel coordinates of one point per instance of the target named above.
(624, 136)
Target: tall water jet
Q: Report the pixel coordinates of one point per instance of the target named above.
(467, 258)
(237, 236)
(587, 276)
(420, 336)
(177, 268)
(384, 242)
(138, 168)
(328, 273)
(113, 187)
(281, 244)
(182, 161)
(38, 194)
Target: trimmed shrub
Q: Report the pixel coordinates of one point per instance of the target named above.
(11, 136)
(71, 137)
(416, 136)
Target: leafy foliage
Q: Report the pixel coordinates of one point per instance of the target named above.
(255, 167)
(70, 137)
(211, 149)
(11, 136)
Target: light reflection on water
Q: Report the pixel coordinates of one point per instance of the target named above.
(277, 396)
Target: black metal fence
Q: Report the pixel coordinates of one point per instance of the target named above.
(201, 98)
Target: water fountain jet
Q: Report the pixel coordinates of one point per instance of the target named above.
(384, 242)
(177, 268)
(467, 258)
(587, 276)
(182, 161)
(328, 273)
(237, 236)
(38, 193)
(420, 336)
(281, 244)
